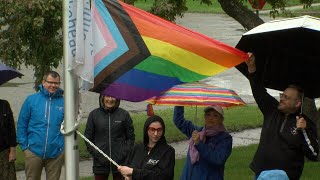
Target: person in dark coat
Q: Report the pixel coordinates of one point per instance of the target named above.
(154, 158)
(8, 142)
(283, 144)
(110, 128)
(209, 147)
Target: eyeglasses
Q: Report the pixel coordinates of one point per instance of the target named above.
(52, 83)
(153, 130)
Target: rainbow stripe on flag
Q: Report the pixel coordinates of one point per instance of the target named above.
(139, 55)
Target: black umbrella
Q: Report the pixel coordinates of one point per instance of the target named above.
(7, 73)
(287, 52)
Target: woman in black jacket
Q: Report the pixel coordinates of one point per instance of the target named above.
(154, 158)
(110, 129)
(8, 142)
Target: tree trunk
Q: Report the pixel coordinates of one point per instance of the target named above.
(247, 18)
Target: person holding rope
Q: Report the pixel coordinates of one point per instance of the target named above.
(154, 158)
(287, 136)
(109, 128)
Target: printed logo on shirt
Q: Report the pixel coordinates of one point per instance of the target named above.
(153, 162)
(294, 130)
(117, 121)
(60, 108)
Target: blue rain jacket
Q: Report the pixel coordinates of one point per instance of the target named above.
(39, 124)
(213, 153)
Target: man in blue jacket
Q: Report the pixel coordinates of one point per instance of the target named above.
(38, 129)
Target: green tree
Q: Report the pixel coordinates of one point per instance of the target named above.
(31, 35)
(167, 9)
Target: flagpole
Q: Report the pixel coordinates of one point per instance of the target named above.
(70, 97)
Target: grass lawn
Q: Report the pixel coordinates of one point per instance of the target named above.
(236, 119)
(237, 166)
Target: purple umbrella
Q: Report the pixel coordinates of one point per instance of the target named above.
(7, 73)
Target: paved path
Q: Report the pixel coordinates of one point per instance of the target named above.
(292, 8)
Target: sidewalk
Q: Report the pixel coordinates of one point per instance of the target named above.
(264, 12)
(243, 138)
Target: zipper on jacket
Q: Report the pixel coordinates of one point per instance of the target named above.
(283, 123)
(110, 140)
(47, 110)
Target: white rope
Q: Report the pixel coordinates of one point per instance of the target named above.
(74, 129)
(79, 117)
(96, 148)
(71, 131)
(75, 126)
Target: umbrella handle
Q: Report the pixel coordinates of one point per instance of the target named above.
(150, 111)
(196, 118)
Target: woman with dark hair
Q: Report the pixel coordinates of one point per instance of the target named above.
(110, 129)
(154, 158)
